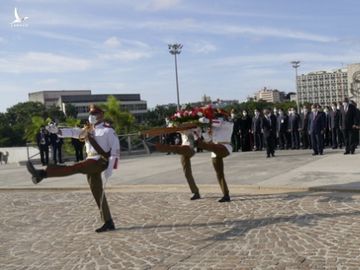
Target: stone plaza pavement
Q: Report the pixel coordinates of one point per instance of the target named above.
(274, 220)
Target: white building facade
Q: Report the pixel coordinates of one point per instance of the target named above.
(325, 87)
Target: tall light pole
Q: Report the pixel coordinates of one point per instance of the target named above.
(295, 65)
(175, 49)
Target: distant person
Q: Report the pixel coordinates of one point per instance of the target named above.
(316, 129)
(334, 126)
(78, 147)
(348, 123)
(235, 136)
(327, 132)
(293, 127)
(245, 131)
(304, 128)
(256, 130)
(56, 144)
(268, 126)
(43, 142)
(281, 129)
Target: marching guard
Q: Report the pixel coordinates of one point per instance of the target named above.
(103, 151)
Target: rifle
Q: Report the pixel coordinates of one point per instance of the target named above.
(167, 130)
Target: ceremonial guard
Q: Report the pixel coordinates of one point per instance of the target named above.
(103, 151)
(218, 141)
(186, 149)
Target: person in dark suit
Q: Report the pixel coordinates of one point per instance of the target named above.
(316, 129)
(327, 132)
(334, 125)
(281, 128)
(78, 147)
(304, 125)
(235, 136)
(348, 123)
(245, 131)
(43, 142)
(56, 144)
(293, 127)
(268, 127)
(256, 130)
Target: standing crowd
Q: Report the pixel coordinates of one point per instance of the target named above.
(315, 128)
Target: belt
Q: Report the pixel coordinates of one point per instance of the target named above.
(96, 154)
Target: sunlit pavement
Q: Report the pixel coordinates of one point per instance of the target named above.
(272, 222)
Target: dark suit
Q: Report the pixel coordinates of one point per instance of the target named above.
(56, 144)
(334, 126)
(78, 147)
(235, 136)
(43, 142)
(245, 128)
(348, 118)
(327, 132)
(269, 128)
(281, 128)
(256, 128)
(304, 125)
(294, 120)
(317, 123)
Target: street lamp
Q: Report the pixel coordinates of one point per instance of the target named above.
(295, 65)
(175, 49)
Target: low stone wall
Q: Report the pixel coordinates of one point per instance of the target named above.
(18, 154)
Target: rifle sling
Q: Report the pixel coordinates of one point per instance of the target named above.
(98, 148)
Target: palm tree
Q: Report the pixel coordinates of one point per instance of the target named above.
(36, 123)
(122, 121)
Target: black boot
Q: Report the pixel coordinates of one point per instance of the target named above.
(108, 226)
(37, 175)
(226, 198)
(196, 196)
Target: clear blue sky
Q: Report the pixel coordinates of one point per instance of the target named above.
(231, 48)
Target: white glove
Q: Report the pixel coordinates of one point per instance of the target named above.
(52, 128)
(108, 172)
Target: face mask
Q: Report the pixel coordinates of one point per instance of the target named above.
(244, 113)
(305, 110)
(326, 110)
(257, 113)
(232, 115)
(92, 119)
(313, 110)
(345, 104)
(275, 111)
(333, 108)
(281, 113)
(338, 107)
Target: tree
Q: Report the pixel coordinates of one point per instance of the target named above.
(21, 113)
(55, 114)
(36, 123)
(121, 120)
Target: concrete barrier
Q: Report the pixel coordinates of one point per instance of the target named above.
(18, 154)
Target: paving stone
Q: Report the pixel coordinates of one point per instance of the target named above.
(55, 230)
